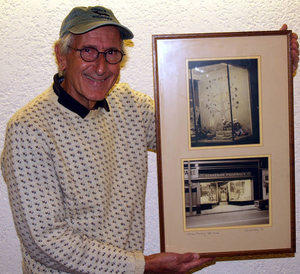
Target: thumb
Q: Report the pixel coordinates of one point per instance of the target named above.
(284, 27)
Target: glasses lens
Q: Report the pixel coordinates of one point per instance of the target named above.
(113, 56)
(89, 54)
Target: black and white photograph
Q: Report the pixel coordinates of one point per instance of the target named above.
(224, 102)
(227, 192)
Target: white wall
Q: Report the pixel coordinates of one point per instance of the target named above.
(28, 29)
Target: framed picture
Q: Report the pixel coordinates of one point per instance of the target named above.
(225, 143)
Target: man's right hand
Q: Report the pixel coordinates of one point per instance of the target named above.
(174, 262)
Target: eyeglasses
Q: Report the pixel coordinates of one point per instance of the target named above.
(89, 54)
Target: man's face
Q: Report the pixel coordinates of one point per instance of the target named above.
(89, 82)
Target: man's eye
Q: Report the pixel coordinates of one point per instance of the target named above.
(111, 52)
(88, 50)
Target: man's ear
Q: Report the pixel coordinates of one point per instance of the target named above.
(60, 58)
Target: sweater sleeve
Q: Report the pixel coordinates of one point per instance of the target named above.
(37, 203)
(148, 113)
(151, 133)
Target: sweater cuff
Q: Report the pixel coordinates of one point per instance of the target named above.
(139, 262)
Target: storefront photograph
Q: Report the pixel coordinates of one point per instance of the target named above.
(227, 192)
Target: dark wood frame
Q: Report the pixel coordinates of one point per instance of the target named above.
(161, 183)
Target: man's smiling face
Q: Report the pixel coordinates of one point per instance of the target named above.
(89, 82)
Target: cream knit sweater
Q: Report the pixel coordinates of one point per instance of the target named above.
(77, 185)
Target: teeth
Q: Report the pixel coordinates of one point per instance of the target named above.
(92, 79)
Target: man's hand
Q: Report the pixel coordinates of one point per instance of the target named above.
(294, 48)
(173, 262)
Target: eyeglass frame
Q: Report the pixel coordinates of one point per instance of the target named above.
(98, 52)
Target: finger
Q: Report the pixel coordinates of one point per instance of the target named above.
(295, 52)
(188, 257)
(196, 264)
(295, 45)
(205, 260)
(295, 56)
(295, 59)
(284, 27)
(294, 36)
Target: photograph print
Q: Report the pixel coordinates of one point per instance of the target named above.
(226, 192)
(224, 102)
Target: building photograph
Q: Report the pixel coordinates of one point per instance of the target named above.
(226, 192)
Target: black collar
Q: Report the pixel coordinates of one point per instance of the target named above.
(70, 103)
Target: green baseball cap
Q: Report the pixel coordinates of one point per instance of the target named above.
(84, 19)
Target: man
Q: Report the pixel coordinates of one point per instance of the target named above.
(75, 160)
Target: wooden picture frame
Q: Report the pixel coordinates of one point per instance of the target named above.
(225, 143)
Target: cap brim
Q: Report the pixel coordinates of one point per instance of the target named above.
(83, 28)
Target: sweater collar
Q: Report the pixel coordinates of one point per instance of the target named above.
(70, 103)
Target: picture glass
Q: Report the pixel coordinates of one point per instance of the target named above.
(224, 102)
(226, 193)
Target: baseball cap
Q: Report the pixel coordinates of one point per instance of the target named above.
(84, 19)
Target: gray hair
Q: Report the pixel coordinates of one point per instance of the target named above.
(63, 46)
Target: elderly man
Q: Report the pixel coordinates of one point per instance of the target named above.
(75, 160)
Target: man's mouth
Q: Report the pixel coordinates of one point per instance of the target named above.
(94, 80)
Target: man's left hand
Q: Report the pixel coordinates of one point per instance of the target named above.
(294, 48)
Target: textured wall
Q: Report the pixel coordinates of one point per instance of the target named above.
(28, 29)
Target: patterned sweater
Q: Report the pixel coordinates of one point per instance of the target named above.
(77, 185)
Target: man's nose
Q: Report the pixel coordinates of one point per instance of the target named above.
(100, 64)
